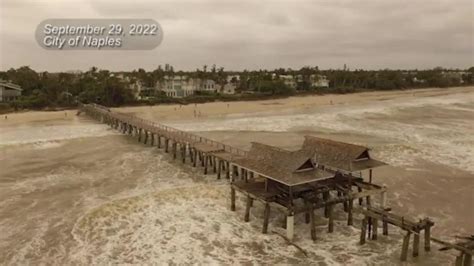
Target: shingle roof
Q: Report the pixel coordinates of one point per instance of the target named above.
(281, 165)
(340, 155)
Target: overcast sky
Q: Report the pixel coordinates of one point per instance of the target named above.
(255, 34)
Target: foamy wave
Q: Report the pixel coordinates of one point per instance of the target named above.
(49, 136)
(406, 126)
(195, 226)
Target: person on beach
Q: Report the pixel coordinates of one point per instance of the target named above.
(6, 117)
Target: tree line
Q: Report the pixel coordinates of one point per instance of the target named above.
(65, 89)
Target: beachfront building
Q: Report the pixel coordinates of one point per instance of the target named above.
(228, 88)
(208, 85)
(9, 91)
(319, 81)
(289, 80)
(177, 86)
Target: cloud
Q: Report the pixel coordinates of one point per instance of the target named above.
(256, 34)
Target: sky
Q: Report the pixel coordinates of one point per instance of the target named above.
(252, 34)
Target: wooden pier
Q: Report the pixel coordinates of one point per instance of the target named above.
(320, 175)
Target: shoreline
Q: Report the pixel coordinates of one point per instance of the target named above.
(196, 112)
(262, 99)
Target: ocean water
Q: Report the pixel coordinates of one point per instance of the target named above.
(438, 129)
(83, 194)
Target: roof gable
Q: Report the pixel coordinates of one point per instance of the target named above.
(340, 155)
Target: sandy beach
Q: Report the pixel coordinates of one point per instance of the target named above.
(73, 191)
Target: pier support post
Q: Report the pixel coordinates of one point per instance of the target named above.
(219, 168)
(375, 224)
(227, 170)
(232, 198)
(428, 238)
(363, 231)
(175, 148)
(214, 164)
(467, 259)
(167, 141)
(183, 152)
(195, 155)
(146, 137)
(416, 243)
(383, 199)
(206, 159)
(326, 197)
(405, 245)
(384, 226)
(266, 217)
(350, 220)
(331, 219)
(369, 227)
(306, 214)
(290, 226)
(247, 209)
(312, 222)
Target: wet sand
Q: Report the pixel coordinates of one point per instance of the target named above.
(73, 191)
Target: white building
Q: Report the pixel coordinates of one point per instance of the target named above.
(228, 88)
(208, 85)
(319, 81)
(9, 91)
(177, 86)
(289, 80)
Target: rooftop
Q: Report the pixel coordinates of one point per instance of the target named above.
(340, 155)
(287, 167)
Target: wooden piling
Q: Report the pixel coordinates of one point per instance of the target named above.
(349, 212)
(326, 196)
(174, 146)
(467, 259)
(384, 227)
(206, 159)
(306, 214)
(219, 168)
(374, 228)
(227, 170)
(312, 222)
(405, 245)
(214, 164)
(331, 219)
(232, 199)
(427, 238)
(416, 244)
(247, 209)
(363, 231)
(266, 217)
(195, 158)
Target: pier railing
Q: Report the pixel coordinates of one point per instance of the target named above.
(157, 127)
